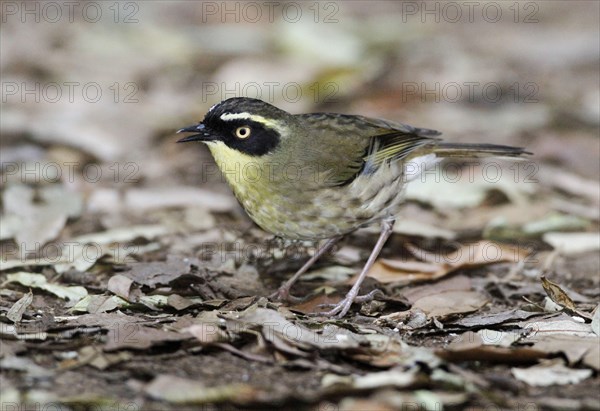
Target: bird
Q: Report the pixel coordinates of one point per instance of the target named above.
(322, 176)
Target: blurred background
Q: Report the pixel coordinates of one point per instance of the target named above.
(114, 225)
(92, 93)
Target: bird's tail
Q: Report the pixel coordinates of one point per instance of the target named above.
(453, 150)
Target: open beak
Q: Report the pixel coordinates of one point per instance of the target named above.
(202, 133)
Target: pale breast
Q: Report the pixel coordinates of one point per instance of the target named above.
(296, 207)
(309, 214)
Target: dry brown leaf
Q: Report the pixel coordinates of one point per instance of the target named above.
(560, 297)
(385, 352)
(556, 294)
(450, 302)
(488, 319)
(557, 324)
(573, 243)
(546, 375)
(570, 182)
(181, 303)
(288, 336)
(93, 355)
(454, 283)
(575, 348)
(434, 266)
(473, 254)
(120, 285)
(596, 320)
(102, 303)
(140, 337)
(314, 304)
(592, 358)
(411, 266)
(207, 333)
(34, 217)
(156, 273)
(179, 390)
(405, 272)
(392, 378)
(15, 313)
(35, 280)
(470, 346)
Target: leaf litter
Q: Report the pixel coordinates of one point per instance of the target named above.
(169, 311)
(259, 332)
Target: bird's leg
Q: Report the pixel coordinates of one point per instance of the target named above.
(341, 308)
(283, 293)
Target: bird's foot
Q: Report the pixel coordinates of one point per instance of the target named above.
(283, 294)
(340, 309)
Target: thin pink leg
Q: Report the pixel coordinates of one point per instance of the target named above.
(283, 293)
(341, 308)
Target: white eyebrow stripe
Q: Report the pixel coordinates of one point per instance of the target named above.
(244, 116)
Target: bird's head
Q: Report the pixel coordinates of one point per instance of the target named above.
(247, 125)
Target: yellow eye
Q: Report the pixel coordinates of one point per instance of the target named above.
(243, 132)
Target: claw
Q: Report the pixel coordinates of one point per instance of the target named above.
(283, 294)
(341, 309)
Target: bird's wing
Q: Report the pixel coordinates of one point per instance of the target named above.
(353, 145)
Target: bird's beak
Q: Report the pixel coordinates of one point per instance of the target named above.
(202, 133)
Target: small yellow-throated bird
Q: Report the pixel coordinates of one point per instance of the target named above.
(321, 175)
